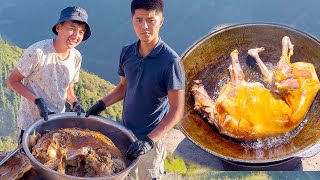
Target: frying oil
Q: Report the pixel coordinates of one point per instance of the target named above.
(276, 141)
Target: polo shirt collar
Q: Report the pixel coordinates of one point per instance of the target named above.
(155, 51)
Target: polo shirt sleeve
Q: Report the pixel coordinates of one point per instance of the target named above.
(175, 78)
(28, 61)
(120, 68)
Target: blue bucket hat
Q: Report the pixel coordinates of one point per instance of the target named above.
(74, 13)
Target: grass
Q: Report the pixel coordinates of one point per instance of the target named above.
(7, 144)
(175, 164)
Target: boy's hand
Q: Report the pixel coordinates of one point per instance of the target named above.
(77, 107)
(42, 106)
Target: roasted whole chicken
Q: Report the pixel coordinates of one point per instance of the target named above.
(249, 111)
(79, 152)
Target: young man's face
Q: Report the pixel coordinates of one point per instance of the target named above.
(71, 33)
(146, 24)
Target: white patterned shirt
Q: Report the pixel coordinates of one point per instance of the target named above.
(47, 77)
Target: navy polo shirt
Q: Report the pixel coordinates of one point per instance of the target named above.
(148, 81)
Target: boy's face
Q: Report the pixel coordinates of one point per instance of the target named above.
(70, 33)
(146, 24)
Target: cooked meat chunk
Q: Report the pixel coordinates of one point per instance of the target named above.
(79, 152)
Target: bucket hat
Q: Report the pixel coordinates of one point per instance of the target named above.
(74, 13)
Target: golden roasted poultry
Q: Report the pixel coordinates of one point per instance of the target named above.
(79, 152)
(248, 110)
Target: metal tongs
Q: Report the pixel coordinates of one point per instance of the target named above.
(33, 139)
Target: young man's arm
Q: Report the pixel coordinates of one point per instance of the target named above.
(71, 97)
(116, 95)
(176, 101)
(14, 82)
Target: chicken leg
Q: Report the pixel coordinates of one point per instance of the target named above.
(263, 68)
(236, 73)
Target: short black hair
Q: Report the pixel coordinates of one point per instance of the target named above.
(147, 5)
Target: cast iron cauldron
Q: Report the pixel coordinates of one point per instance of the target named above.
(208, 60)
(120, 136)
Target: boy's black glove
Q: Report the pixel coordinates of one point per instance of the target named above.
(96, 109)
(42, 106)
(77, 107)
(139, 147)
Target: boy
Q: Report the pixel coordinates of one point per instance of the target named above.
(46, 71)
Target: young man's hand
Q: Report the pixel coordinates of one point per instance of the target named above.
(96, 109)
(42, 106)
(139, 147)
(77, 107)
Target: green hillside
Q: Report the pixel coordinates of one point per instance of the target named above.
(89, 89)
(9, 101)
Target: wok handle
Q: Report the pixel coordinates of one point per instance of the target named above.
(315, 149)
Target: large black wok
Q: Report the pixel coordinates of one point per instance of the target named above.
(208, 60)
